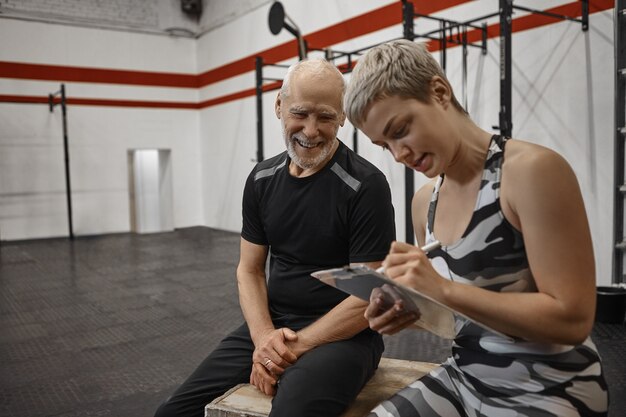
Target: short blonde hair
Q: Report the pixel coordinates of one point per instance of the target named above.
(399, 68)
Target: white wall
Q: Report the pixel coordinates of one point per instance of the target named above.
(32, 182)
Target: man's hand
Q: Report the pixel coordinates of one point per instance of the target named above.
(272, 352)
(301, 345)
(270, 359)
(263, 379)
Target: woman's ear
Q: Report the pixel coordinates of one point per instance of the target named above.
(440, 90)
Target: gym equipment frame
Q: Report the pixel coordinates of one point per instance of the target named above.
(52, 102)
(465, 31)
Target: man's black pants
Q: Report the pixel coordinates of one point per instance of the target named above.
(322, 383)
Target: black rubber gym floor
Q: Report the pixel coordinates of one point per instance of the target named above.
(109, 325)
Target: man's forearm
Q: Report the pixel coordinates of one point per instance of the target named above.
(340, 323)
(254, 305)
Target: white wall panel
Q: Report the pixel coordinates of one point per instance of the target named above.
(53, 44)
(32, 182)
(228, 151)
(32, 169)
(99, 91)
(563, 99)
(33, 216)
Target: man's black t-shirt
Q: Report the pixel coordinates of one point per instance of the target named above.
(340, 214)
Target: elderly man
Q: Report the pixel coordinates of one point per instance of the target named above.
(317, 205)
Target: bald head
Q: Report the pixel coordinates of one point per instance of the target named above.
(310, 108)
(316, 71)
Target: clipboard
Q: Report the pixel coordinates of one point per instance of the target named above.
(360, 280)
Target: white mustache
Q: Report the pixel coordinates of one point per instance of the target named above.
(303, 140)
(301, 137)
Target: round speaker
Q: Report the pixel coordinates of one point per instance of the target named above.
(277, 17)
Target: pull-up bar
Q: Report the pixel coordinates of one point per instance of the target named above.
(68, 189)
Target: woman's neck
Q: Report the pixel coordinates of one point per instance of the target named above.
(470, 154)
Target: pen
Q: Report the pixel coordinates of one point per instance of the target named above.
(426, 248)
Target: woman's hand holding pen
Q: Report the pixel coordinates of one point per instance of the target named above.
(409, 266)
(406, 264)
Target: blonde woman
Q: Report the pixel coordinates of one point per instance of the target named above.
(516, 250)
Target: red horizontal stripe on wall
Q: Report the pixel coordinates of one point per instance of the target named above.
(377, 19)
(94, 75)
(132, 103)
(227, 98)
(101, 102)
(4, 98)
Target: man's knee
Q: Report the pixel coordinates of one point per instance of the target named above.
(305, 396)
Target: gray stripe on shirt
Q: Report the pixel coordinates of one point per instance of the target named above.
(345, 177)
(268, 172)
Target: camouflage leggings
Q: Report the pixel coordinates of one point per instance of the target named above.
(449, 392)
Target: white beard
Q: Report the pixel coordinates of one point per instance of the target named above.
(305, 163)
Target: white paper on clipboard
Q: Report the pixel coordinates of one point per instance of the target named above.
(360, 280)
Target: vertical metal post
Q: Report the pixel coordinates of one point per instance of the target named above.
(506, 11)
(444, 45)
(484, 39)
(66, 154)
(619, 193)
(409, 190)
(464, 76)
(259, 108)
(304, 45)
(68, 185)
(407, 20)
(409, 176)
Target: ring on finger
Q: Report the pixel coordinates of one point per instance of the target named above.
(267, 362)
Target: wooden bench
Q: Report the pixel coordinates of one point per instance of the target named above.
(392, 375)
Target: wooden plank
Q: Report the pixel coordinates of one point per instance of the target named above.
(392, 375)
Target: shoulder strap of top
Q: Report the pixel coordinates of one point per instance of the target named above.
(495, 155)
(432, 206)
